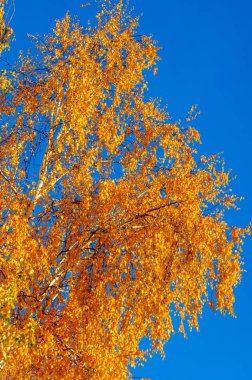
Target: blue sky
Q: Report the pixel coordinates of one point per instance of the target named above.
(206, 59)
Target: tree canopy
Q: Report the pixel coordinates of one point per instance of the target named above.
(112, 227)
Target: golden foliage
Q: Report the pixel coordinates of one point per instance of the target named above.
(5, 29)
(111, 225)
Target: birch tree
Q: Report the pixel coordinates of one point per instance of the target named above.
(112, 227)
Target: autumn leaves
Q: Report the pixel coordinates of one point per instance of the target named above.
(120, 226)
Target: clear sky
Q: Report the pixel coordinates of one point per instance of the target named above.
(206, 59)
